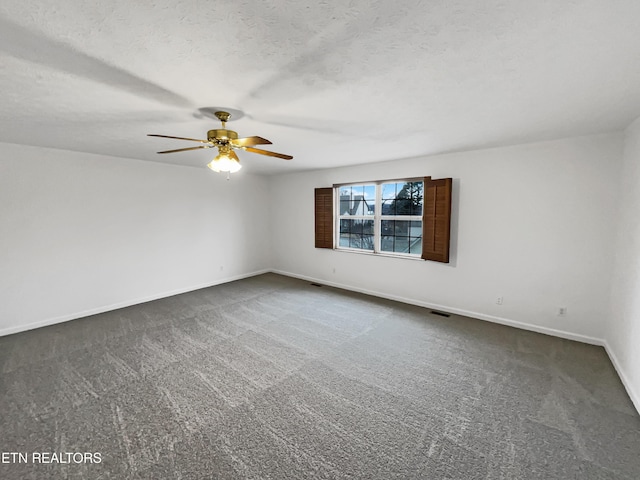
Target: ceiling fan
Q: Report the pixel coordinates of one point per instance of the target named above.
(226, 141)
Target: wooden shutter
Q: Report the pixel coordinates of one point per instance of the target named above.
(436, 219)
(324, 217)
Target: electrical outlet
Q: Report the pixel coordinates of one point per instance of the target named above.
(499, 300)
(562, 311)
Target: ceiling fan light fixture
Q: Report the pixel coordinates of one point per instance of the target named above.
(226, 141)
(224, 163)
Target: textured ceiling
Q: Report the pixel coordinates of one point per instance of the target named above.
(332, 83)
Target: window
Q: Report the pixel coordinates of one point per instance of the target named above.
(383, 217)
(394, 217)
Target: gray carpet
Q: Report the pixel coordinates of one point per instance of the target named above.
(271, 377)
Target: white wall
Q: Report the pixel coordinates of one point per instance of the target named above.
(531, 223)
(83, 233)
(623, 328)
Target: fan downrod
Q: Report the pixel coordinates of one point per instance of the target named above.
(223, 116)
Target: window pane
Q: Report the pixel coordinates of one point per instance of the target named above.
(416, 229)
(367, 227)
(415, 245)
(370, 193)
(415, 240)
(367, 242)
(355, 233)
(370, 199)
(370, 208)
(387, 232)
(403, 206)
(364, 242)
(401, 245)
(360, 206)
(416, 198)
(386, 243)
(402, 228)
(403, 198)
(388, 207)
(401, 236)
(357, 200)
(388, 191)
(345, 200)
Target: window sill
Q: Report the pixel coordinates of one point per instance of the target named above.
(377, 254)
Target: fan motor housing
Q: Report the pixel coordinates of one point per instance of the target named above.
(221, 134)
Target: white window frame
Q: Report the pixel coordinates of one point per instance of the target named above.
(377, 218)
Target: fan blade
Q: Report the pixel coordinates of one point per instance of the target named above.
(265, 152)
(233, 155)
(249, 141)
(185, 149)
(178, 138)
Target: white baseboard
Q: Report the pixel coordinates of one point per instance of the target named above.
(457, 311)
(127, 303)
(633, 395)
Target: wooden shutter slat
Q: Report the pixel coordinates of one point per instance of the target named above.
(324, 217)
(436, 219)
